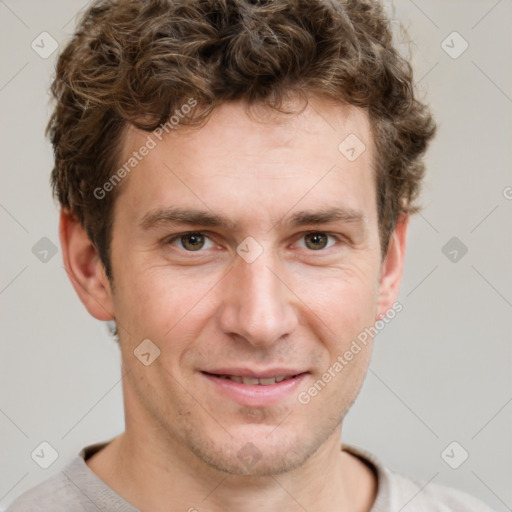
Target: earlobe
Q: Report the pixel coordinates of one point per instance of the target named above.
(392, 268)
(84, 267)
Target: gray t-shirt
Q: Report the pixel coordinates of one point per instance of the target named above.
(78, 489)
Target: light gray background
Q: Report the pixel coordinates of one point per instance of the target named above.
(440, 371)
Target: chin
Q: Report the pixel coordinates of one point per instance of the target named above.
(252, 461)
(262, 454)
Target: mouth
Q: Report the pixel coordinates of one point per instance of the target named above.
(255, 390)
(253, 381)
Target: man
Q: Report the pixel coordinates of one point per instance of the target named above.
(236, 180)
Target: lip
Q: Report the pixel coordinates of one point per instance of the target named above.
(263, 374)
(256, 395)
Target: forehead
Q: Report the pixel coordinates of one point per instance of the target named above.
(258, 162)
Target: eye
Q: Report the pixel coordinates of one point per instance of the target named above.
(317, 240)
(192, 242)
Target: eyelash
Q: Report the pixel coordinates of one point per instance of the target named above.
(169, 241)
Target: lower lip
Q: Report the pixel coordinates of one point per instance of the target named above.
(256, 395)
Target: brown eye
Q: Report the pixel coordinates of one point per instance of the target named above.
(192, 241)
(316, 241)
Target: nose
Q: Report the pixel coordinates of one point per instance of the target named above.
(256, 303)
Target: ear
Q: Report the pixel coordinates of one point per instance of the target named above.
(392, 267)
(84, 268)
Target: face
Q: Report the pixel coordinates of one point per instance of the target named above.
(249, 249)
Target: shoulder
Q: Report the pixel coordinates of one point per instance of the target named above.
(396, 491)
(76, 488)
(420, 495)
(56, 493)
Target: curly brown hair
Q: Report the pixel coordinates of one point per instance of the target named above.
(134, 62)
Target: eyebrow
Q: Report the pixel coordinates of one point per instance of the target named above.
(346, 215)
(164, 216)
(171, 215)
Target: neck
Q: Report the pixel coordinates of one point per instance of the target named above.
(167, 476)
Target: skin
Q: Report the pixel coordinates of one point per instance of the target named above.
(294, 306)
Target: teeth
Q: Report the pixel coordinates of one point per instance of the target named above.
(250, 380)
(253, 381)
(268, 381)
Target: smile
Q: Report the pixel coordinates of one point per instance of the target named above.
(254, 381)
(252, 391)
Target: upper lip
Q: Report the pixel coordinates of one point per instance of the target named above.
(256, 374)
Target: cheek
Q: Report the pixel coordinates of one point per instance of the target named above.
(340, 310)
(159, 303)
(344, 300)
